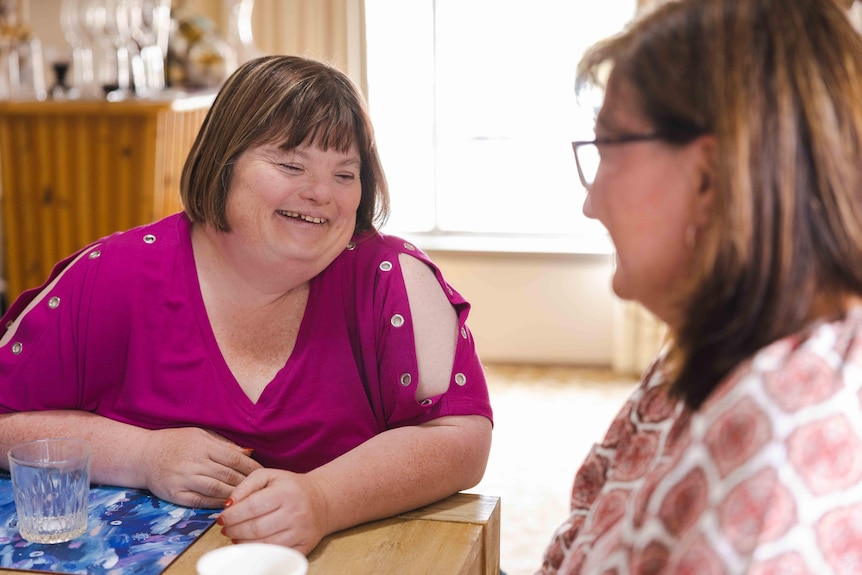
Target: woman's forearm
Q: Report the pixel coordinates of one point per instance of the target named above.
(187, 465)
(114, 443)
(402, 469)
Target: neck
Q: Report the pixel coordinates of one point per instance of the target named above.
(231, 272)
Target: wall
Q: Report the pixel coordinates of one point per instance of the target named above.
(552, 309)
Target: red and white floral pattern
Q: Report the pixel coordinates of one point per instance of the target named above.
(765, 478)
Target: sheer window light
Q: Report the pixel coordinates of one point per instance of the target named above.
(474, 108)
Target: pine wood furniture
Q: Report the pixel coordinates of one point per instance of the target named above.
(459, 535)
(74, 171)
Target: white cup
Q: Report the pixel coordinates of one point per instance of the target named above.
(253, 559)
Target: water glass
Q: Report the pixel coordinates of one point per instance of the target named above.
(51, 487)
(26, 70)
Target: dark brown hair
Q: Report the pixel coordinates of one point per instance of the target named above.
(290, 101)
(778, 84)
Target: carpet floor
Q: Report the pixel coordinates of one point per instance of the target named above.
(546, 420)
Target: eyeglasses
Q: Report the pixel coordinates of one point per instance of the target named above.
(588, 157)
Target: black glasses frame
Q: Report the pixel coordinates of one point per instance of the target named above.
(611, 141)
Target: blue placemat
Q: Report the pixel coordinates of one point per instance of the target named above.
(129, 532)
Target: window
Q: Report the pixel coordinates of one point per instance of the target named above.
(474, 107)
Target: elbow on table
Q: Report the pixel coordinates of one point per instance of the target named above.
(478, 440)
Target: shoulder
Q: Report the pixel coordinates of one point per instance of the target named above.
(120, 258)
(778, 439)
(149, 239)
(375, 247)
(379, 258)
(138, 256)
(793, 407)
(802, 371)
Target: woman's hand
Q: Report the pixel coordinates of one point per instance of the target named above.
(192, 467)
(275, 506)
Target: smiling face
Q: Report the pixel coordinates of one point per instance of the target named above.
(293, 206)
(647, 194)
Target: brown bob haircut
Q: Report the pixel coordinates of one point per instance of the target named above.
(289, 101)
(778, 84)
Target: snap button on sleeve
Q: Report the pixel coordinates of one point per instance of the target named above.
(426, 401)
(397, 320)
(17, 347)
(410, 246)
(149, 239)
(94, 254)
(386, 266)
(351, 246)
(406, 379)
(54, 302)
(464, 332)
(460, 379)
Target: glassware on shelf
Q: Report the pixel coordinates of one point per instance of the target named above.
(22, 68)
(108, 26)
(151, 27)
(58, 61)
(27, 70)
(93, 19)
(129, 41)
(119, 29)
(240, 35)
(8, 16)
(82, 80)
(61, 89)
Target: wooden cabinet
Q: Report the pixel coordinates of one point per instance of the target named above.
(75, 171)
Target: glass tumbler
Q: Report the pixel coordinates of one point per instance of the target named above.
(51, 487)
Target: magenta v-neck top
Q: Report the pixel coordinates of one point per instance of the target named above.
(120, 329)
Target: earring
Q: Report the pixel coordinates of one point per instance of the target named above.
(691, 236)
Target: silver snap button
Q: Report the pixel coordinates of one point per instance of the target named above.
(397, 320)
(94, 254)
(386, 266)
(460, 379)
(449, 289)
(426, 401)
(17, 347)
(410, 246)
(351, 246)
(54, 302)
(149, 239)
(464, 332)
(406, 379)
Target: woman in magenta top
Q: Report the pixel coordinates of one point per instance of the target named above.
(267, 349)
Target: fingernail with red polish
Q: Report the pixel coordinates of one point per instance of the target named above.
(248, 450)
(228, 503)
(220, 520)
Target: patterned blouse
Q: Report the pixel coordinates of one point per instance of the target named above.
(765, 478)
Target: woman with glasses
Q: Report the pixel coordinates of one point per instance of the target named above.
(727, 168)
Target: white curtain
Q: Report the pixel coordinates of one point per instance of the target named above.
(329, 30)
